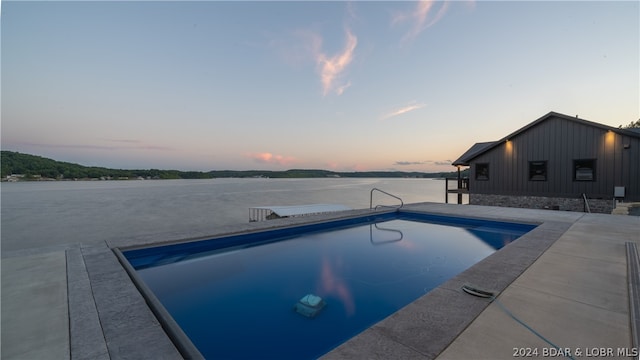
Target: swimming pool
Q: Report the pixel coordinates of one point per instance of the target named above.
(300, 292)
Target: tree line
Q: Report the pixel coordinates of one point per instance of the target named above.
(32, 167)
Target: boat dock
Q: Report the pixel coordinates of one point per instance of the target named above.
(262, 213)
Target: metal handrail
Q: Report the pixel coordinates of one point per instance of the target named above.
(586, 203)
(386, 193)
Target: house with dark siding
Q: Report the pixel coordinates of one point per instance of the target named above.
(557, 162)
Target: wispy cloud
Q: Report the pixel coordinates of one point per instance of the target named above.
(127, 141)
(421, 17)
(445, 162)
(407, 163)
(331, 68)
(307, 44)
(269, 158)
(403, 110)
(339, 90)
(139, 146)
(425, 162)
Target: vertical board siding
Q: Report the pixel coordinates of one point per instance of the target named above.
(631, 165)
(617, 161)
(563, 167)
(560, 141)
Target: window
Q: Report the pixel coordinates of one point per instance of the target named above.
(482, 171)
(584, 170)
(537, 170)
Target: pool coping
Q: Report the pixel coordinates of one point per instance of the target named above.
(436, 318)
(183, 344)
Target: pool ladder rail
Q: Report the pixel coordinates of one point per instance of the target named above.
(387, 206)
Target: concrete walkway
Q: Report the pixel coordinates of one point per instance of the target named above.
(574, 295)
(35, 320)
(567, 281)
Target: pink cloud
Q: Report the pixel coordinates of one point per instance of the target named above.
(403, 110)
(332, 67)
(420, 18)
(269, 158)
(360, 167)
(332, 165)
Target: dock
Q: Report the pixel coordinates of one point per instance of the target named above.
(462, 188)
(262, 213)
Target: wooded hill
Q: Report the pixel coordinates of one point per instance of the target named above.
(37, 167)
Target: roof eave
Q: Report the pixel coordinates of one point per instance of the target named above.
(462, 161)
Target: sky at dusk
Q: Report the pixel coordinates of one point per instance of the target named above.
(362, 85)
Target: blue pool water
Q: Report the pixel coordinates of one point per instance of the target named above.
(235, 297)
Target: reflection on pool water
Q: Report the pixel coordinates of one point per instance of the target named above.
(298, 296)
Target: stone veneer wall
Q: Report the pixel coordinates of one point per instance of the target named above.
(542, 202)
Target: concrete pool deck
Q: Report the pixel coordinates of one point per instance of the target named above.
(567, 279)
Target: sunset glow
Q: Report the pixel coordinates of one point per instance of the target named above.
(211, 85)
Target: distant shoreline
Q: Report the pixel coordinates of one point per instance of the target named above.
(24, 178)
(24, 167)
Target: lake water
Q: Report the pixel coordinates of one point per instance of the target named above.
(59, 214)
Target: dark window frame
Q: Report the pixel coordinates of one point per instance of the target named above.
(583, 166)
(482, 171)
(538, 170)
